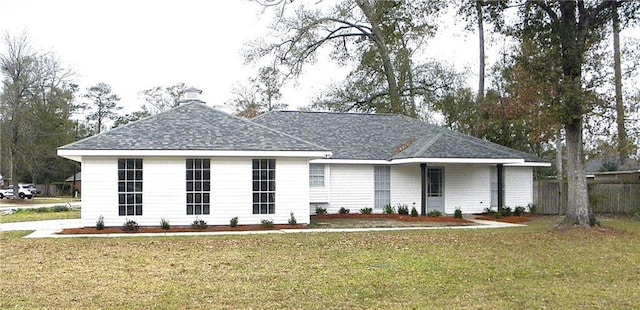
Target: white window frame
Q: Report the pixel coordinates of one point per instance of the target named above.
(316, 175)
(382, 186)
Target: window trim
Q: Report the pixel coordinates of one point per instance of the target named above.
(381, 187)
(317, 174)
(198, 185)
(130, 186)
(263, 179)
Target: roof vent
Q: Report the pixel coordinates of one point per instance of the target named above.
(191, 94)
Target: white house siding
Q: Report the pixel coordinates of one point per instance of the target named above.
(406, 185)
(100, 191)
(351, 188)
(518, 185)
(320, 195)
(164, 190)
(467, 187)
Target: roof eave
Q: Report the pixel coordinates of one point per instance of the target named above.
(77, 155)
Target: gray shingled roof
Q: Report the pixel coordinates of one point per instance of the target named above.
(194, 126)
(384, 137)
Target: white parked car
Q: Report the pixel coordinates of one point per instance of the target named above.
(24, 191)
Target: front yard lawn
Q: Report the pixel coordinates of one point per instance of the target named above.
(39, 214)
(515, 268)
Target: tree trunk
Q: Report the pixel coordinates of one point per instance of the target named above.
(620, 118)
(559, 167)
(573, 49)
(578, 210)
(395, 103)
(481, 56)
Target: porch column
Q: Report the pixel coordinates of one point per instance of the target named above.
(500, 186)
(423, 173)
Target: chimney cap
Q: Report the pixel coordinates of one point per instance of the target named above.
(191, 94)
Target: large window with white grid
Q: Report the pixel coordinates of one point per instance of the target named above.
(264, 186)
(129, 186)
(198, 186)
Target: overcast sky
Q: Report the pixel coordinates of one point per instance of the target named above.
(135, 45)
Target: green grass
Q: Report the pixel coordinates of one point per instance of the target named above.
(517, 268)
(39, 200)
(25, 215)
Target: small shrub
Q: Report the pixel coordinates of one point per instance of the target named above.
(414, 212)
(497, 214)
(234, 221)
(343, 210)
(100, 223)
(266, 223)
(505, 211)
(199, 224)
(403, 209)
(41, 210)
(388, 209)
(366, 210)
(434, 213)
(292, 220)
(457, 213)
(489, 210)
(532, 208)
(321, 211)
(518, 211)
(60, 208)
(164, 224)
(130, 226)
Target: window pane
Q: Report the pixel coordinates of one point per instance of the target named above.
(138, 209)
(189, 209)
(122, 210)
(206, 186)
(205, 209)
(189, 186)
(189, 197)
(206, 164)
(121, 164)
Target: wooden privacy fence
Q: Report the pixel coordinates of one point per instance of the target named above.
(603, 197)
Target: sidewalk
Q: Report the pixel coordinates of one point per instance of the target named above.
(48, 229)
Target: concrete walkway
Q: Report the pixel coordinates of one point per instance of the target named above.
(48, 229)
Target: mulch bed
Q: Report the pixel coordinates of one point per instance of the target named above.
(507, 219)
(155, 229)
(397, 217)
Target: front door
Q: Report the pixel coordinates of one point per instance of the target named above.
(435, 189)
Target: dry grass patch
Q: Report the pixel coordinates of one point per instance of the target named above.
(516, 268)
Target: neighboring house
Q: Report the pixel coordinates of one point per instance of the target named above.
(194, 162)
(391, 159)
(77, 179)
(606, 169)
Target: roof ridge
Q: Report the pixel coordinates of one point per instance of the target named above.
(430, 143)
(250, 121)
(132, 123)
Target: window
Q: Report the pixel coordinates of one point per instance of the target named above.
(198, 186)
(382, 186)
(316, 175)
(129, 187)
(264, 186)
(436, 177)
